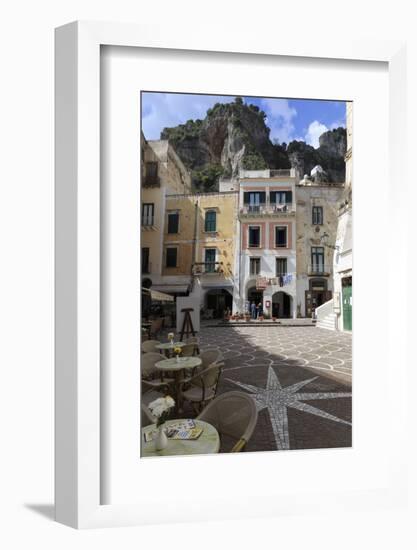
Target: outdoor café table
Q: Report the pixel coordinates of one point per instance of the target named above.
(168, 348)
(178, 367)
(208, 442)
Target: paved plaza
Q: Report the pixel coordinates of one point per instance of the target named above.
(300, 378)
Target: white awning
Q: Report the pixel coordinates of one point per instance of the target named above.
(158, 296)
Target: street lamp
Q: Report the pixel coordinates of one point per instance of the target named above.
(325, 240)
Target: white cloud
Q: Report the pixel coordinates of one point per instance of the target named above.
(280, 116)
(314, 131)
(160, 110)
(337, 124)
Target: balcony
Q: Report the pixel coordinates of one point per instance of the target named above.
(151, 181)
(267, 210)
(148, 223)
(283, 173)
(319, 270)
(208, 268)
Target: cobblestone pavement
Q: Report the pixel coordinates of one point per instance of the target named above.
(300, 378)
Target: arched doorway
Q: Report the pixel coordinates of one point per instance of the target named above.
(218, 300)
(255, 295)
(281, 305)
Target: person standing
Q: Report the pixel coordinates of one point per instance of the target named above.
(260, 312)
(253, 310)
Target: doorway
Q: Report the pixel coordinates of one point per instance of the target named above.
(281, 305)
(218, 301)
(316, 296)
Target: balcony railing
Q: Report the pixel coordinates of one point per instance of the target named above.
(267, 209)
(148, 221)
(319, 269)
(208, 267)
(151, 181)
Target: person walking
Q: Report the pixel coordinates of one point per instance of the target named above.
(253, 310)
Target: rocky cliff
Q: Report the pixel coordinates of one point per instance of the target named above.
(234, 136)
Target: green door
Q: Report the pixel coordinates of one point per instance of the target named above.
(347, 307)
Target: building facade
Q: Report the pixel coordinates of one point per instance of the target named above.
(162, 172)
(265, 237)
(342, 302)
(199, 248)
(266, 270)
(317, 218)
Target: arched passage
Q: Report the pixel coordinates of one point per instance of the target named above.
(282, 305)
(218, 300)
(255, 295)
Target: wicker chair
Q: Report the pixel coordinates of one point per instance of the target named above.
(152, 378)
(234, 415)
(210, 356)
(149, 346)
(156, 326)
(194, 340)
(188, 350)
(202, 387)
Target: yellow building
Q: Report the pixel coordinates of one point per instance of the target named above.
(199, 248)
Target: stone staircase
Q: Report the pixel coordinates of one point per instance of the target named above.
(325, 316)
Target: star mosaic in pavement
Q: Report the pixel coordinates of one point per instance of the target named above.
(277, 400)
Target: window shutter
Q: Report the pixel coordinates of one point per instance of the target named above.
(288, 198)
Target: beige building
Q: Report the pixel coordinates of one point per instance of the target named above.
(162, 173)
(317, 217)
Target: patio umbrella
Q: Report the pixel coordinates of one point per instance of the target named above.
(157, 296)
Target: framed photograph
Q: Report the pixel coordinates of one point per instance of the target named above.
(212, 202)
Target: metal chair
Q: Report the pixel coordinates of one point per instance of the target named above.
(234, 415)
(149, 346)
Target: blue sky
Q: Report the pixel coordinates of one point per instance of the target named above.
(288, 119)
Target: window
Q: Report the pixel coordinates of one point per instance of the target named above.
(151, 173)
(281, 236)
(317, 259)
(171, 257)
(210, 221)
(317, 215)
(254, 266)
(281, 267)
(210, 260)
(254, 237)
(173, 219)
(147, 213)
(145, 260)
(254, 200)
(280, 197)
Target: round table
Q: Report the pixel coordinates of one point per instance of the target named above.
(207, 443)
(172, 365)
(168, 348)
